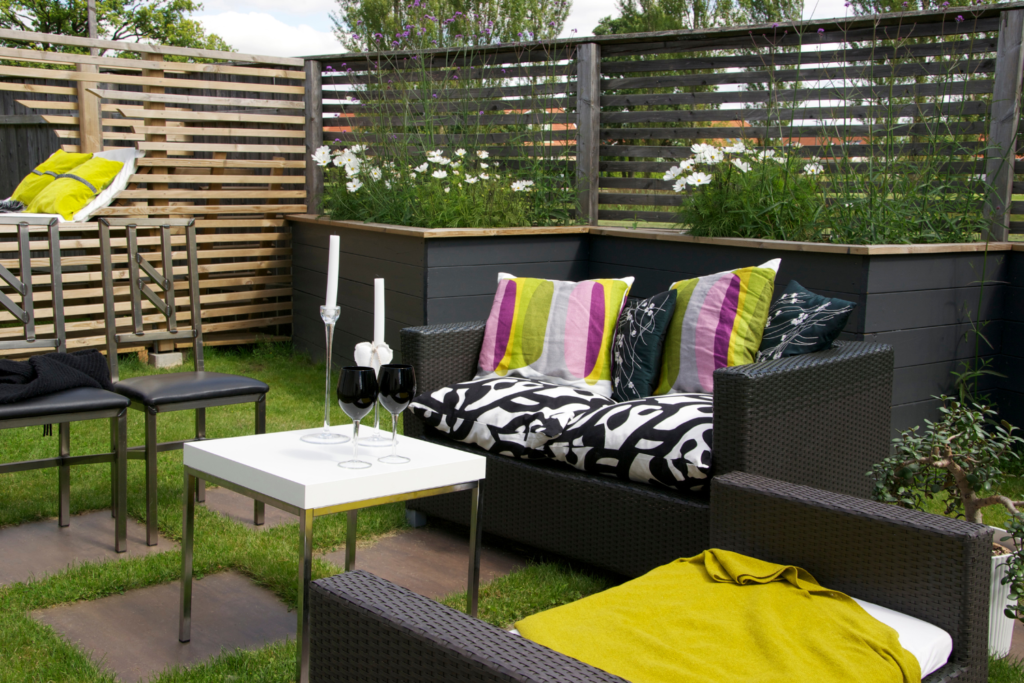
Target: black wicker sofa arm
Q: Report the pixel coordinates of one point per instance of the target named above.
(820, 419)
(364, 629)
(442, 355)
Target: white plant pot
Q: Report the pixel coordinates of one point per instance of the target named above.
(1000, 627)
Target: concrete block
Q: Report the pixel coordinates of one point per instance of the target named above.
(171, 359)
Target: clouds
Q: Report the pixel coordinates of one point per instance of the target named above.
(263, 34)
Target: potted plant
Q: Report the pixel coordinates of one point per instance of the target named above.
(960, 461)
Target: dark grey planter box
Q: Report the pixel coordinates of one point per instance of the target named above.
(921, 299)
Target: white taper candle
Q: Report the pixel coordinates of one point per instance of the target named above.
(332, 272)
(378, 310)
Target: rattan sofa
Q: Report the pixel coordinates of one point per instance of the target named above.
(820, 419)
(364, 629)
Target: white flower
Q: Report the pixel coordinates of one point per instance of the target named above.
(485, 165)
(350, 100)
(814, 168)
(742, 165)
(698, 178)
(353, 184)
(456, 172)
(436, 153)
(439, 174)
(680, 185)
(484, 176)
(376, 174)
(444, 161)
(422, 168)
(322, 156)
(709, 155)
(387, 184)
(338, 160)
(460, 152)
(357, 149)
(522, 185)
(470, 179)
(413, 176)
(483, 154)
(766, 154)
(447, 190)
(701, 148)
(738, 148)
(672, 173)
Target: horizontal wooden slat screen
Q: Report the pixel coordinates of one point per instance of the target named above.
(841, 95)
(224, 142)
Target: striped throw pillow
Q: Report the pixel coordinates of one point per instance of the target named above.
(553, 330)
(718, 322)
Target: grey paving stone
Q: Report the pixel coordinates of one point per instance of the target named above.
(39, 548)
(135, 635)
(429, 561)
(237, 507)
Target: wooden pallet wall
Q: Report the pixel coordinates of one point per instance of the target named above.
(224, 139)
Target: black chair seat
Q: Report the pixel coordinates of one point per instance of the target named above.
(187, 387)
(80, 400)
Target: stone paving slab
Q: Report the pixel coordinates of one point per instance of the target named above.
(135, 635)
(35, 549)
(430, 561)
(238, 508)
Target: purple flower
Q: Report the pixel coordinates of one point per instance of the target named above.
(821, 30)
(775, 25)
(481, 112)
(330, 68)
(959, 18)
(434, 96)
(337, 139)
(945, 4)
(378, 36)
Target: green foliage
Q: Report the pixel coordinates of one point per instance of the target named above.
(446, 23)
(740, 192)
(159, 21)
(638, 16)
(962, 456)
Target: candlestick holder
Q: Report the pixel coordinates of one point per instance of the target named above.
(326, 436)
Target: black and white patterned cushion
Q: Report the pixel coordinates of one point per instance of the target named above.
(505, 415)
(657, 440)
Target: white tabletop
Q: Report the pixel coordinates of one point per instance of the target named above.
(307, 476)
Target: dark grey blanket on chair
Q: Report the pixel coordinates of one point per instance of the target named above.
(52, 372)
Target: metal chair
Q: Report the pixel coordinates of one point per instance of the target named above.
(156, 394)
(63, 407)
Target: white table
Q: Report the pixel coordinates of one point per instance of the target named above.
(305, 479)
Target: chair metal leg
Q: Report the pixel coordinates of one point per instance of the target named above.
(64, 475)
(200, 434)
(151, 492)
(475, 534)
(113, 475)
(119, 474)
(350, 540)
(258, 507)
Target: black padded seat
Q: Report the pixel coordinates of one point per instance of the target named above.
(182, 387)
(80, 400)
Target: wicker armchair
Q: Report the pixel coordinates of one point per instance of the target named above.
(365, 629)
(820, 419)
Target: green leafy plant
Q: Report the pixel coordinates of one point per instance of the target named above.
(736, 191)
(961, 456)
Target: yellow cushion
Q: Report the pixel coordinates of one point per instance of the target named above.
(74, 190)
(45, 173)
(722, 617)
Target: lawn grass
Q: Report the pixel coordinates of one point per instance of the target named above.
(30, 651)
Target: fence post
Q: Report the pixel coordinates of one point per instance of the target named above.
(588, 128)
(1002, 136)
(314, 134)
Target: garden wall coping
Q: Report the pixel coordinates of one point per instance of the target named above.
(666, 235)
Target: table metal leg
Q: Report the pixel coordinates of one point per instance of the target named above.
(188, 520)
(119, 469)
(350, 540)
(475, 534)
(305, 576)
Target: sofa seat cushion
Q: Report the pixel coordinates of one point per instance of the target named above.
(723, 617)
(505, 415)
(662, 440)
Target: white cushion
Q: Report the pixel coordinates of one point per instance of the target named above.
(929, 643)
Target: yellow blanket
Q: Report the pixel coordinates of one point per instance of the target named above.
(722, 617)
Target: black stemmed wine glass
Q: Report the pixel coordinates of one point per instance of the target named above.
(357, 394)
(397, 389)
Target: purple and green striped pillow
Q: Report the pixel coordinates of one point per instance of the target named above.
(553, 330)
(718, 322)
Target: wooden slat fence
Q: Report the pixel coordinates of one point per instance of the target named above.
(224, 139)
(918, 85)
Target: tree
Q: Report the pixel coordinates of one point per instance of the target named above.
(392, 24)
(640, 16)
(159, 21)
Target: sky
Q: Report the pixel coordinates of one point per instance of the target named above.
(290, 28)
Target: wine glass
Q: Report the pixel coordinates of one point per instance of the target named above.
(357, 394)
(397, 389)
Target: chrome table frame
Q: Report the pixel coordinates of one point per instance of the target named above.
(306, 517)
